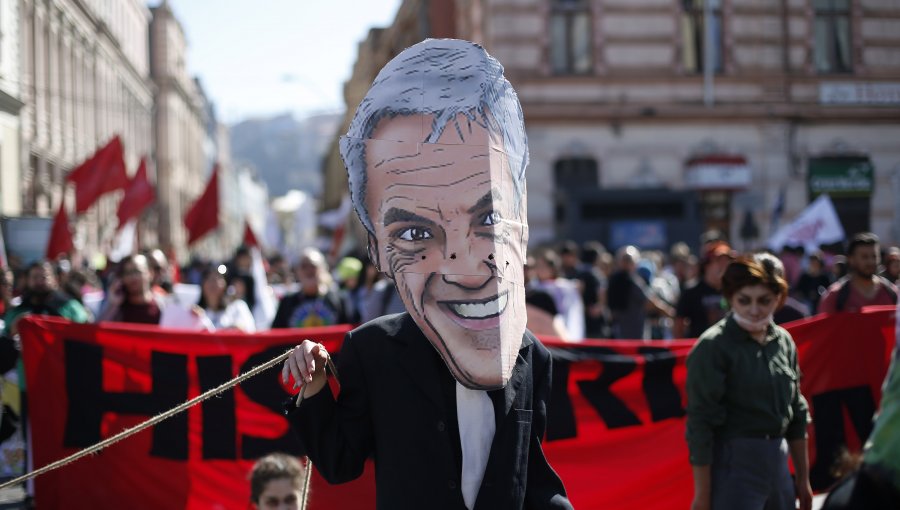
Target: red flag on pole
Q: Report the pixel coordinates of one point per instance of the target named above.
(204, 214)
(101, 173)
(138, 195)
(60, 236)
(249, 236)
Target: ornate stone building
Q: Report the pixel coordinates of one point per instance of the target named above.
(84, 79)
(632, 142)
(10, 106)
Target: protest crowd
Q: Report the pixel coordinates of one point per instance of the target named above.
(573, 292)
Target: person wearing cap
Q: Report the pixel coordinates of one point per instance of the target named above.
(745, 411)
(700, 306)
(347, 274)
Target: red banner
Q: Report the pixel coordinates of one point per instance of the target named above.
(615, 430)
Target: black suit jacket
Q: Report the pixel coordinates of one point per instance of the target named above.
(397, 404)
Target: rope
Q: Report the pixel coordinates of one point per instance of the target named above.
(151, 422)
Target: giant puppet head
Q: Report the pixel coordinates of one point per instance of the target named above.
(436, 155)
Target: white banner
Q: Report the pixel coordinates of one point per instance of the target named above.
(816, 225)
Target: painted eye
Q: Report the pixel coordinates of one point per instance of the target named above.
(415, 234)
(491, 218)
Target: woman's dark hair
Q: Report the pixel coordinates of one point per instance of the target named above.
(210, 270)
(746, 272)
(137, 260)
(274, 466)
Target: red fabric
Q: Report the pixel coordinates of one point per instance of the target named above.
(138, 195)
(204, 214)
(101, 173)
(249, 236)
(60, 241)
(604, 461)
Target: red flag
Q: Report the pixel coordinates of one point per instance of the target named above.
(249, 237)
(138, 195)
(60, 236)
(204, 214)
(101, 173)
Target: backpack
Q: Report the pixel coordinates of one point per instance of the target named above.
(844, 292)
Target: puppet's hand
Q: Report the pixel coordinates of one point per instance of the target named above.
(306, 364)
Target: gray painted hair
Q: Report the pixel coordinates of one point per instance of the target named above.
(444, 78)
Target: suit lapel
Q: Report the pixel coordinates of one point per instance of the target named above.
(520, 370)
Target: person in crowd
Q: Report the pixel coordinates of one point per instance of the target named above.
(813, 282)
(682, 264)
(862, 286)
(378, 294)
(43, 297)
(240, 276)
(839, 268)
(891, 271)
(279, 270)
(543, 317)
(548, 271)
(130, 297)
(7, 299)
(792, 260)
(161, 278)
(874, 483)
(347, 274)
(662, 296)
(792, 309)
(222, 310)
(317, 303)
(700, 306)
(579, 267)
(630, 298)
(745, 411)
(278, 482)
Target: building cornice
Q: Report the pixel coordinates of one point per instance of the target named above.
(10, 104)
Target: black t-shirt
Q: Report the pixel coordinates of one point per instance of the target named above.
(301, 311)
(810, 288)
(702, 305)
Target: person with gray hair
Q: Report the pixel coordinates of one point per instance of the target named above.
(436, 156)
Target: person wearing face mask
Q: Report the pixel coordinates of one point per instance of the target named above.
(745, 412)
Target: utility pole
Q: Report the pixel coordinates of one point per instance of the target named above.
(708, 55)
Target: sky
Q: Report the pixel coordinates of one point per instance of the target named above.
(274, 56)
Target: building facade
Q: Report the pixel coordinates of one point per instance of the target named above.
(180, 131)
(802, 97)
(84, 79)
(10, 107)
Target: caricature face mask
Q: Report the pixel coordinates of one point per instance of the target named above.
(447, 223)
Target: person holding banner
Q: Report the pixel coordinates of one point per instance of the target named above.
(745, 411)
(449, 398)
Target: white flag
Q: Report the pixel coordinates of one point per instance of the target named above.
(123, 243)
(816, 225)
(265, 307)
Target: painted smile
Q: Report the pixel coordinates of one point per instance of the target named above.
(477, 314)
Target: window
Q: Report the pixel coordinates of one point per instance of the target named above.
(572, 174)
(832, 36)
(570, 37)
(693, 35)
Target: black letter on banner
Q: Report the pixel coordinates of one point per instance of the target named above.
(613, 411)
(219, 421)
(560, 413)
(830, 435)
(88, 401)
(265, 389)
(659, 387)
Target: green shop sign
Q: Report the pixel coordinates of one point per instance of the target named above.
(841, 177)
